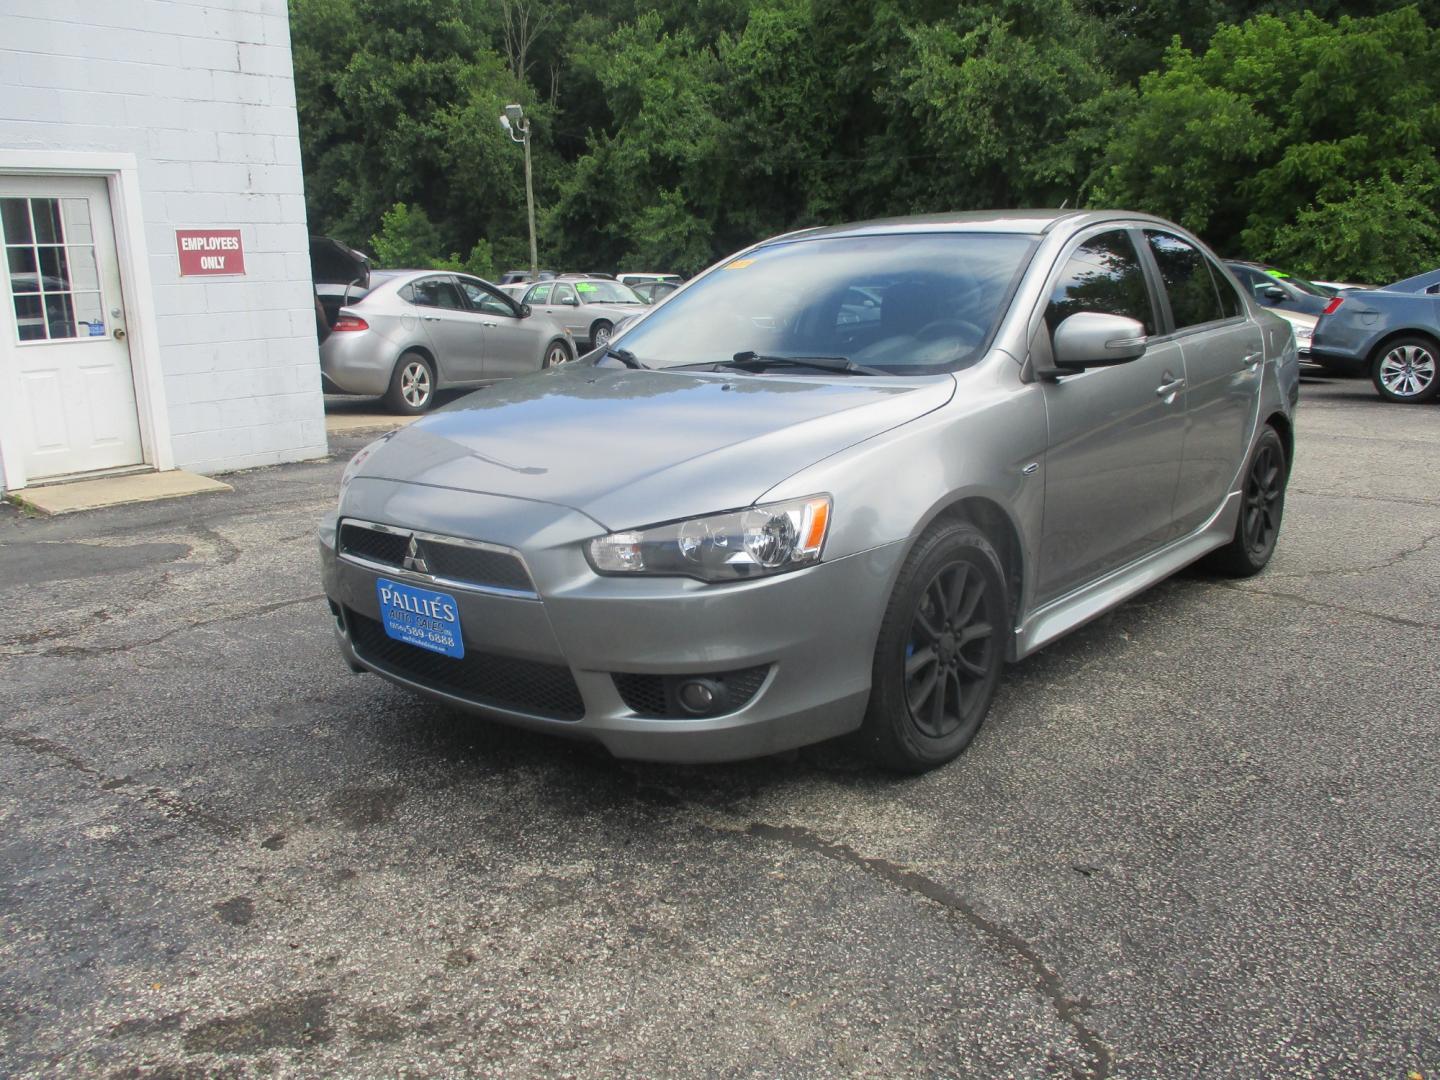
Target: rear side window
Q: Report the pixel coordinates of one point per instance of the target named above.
(437, 293)
(1103, 274)
(538, 295)
(1193, 299)
(1230, 303)
(564, 294)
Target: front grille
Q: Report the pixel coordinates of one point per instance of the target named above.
(381, 547)
(526, 686)
(657, 696)
(461, 563)
(455, 561)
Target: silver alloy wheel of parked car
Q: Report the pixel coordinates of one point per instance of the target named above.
(1406, 372)
(415, 385)
(600, 335)
(557, 354)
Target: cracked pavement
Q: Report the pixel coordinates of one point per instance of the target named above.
(1197, 838)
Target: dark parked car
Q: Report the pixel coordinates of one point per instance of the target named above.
(1391, 334)
(1274, 288)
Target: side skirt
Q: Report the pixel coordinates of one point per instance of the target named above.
(1065, 613)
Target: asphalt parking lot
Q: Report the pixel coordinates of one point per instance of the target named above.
(1197, 838)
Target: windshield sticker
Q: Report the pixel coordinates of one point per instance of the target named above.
(584, 286)
(1277, 273)
(739, 264)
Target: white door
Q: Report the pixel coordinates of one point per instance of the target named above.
(64, 360)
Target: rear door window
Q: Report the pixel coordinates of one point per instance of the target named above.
(540, 294)
(437, 293)
(1193, 298)
(564, 294)
(1230, 302)
(1103, 274)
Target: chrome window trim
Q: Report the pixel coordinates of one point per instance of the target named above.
(433, 579)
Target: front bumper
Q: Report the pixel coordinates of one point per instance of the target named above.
(813, 630)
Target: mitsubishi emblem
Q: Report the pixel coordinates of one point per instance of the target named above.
(414, 559)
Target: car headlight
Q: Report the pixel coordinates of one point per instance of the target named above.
(747, 543)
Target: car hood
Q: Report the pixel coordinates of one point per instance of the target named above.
(632, 447)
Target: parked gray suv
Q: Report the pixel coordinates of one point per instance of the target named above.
(830, 488)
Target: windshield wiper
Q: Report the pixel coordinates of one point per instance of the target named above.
(625, 356)
(753, 361)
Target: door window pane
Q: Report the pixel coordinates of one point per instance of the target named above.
(48, 264)
(15, 220)
(1193, 299)
(89, 314)
(1102, 275)
(54, 269)
(538, 295)
(564, 294)
(23, 276)
(45, 213)
(29, 318)
(84, 274)
(60, 316)
(76, 215)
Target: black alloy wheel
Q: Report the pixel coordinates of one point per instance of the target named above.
(1262, 506)
(1264, 500)
(947, 659)
(940, 651)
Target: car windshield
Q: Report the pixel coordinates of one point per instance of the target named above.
(1300, 283)
(912, 304)
(605, 292)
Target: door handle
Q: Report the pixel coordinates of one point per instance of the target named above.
(488, 323)
(1253, 360)
(432, 318)
(1169, 387)
(119, 333)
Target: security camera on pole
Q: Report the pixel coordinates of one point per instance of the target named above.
(514, 122)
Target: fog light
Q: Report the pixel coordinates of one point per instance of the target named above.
(698, 695)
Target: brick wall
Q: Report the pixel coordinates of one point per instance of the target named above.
(202, 93)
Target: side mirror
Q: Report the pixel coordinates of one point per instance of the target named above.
(1091, 339)
(1274, 292)
(525, 311)
(570, 301)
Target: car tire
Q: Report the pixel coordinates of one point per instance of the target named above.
(944, 635)
(557, 353)
(600, 335)
(1406, 370)
(412, 385)
(1262, 505)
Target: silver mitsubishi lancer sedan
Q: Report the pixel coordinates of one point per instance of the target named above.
(830, 487)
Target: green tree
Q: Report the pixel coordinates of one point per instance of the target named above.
(1286, 129)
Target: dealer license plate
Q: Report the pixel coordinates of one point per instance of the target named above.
(419, 617)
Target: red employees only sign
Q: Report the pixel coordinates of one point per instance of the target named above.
(210, 251)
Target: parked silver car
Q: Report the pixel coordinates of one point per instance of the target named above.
(418, 331)
(586, 307)
(830, 487)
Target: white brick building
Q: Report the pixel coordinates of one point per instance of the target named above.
(124, 124)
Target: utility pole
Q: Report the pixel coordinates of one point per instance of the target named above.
(514, 122)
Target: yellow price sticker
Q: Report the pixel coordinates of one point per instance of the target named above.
(739, 264)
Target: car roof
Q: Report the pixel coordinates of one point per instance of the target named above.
(1032, 222)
